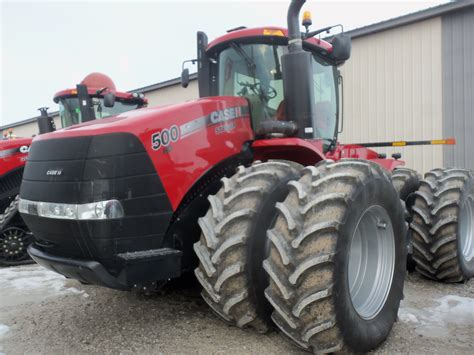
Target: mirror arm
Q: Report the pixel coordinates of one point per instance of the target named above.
(321, 30)
(192, 61)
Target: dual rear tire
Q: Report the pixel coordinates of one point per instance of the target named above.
(330, 239)
(232, 244)
(443, 225)
(406, 181)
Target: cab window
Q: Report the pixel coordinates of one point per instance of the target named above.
(253, 71)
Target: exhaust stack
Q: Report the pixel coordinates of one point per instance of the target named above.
(295, 43)
(298, 76)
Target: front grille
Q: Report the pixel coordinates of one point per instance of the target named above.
(96, 168)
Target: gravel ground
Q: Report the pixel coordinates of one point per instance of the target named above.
(43, 313)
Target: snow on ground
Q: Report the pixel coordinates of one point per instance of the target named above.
(432, 321)
(32, 277)
(3, 329)
(33, 283)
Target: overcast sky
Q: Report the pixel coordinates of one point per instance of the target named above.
(50, 46)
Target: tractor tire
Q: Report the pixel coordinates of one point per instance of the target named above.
(233, 240)
(326, 297)
(406, 182)
(14, 238)
(443, 225)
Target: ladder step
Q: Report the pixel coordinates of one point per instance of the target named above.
(151, 254)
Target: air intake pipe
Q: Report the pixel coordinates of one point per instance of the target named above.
(298, 76)
(45, 123)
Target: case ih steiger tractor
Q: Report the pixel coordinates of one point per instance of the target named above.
(101, 100)
(219, 186)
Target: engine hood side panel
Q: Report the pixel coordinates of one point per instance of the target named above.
(183, 141)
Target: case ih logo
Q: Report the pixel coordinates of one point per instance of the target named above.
(54, 172)
(218, 118)
(24, 149)
(225, 115)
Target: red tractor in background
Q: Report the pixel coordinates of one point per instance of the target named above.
(101, 100)
(219, 186)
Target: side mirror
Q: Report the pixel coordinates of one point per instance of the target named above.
(342, 46)
(185, 78)
(109, 99)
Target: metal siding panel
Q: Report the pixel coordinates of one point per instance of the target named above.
(393, 90)
(458, 87)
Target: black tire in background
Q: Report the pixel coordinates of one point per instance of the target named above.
(406, 181)
(233, 242)
(316, 278)
(443, 225)
(14, 237)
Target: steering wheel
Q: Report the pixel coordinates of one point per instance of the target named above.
(256, 88)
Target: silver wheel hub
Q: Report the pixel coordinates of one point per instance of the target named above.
(13, 242)
(371, 262)
(466, 229)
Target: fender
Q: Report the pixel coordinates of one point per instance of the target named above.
(356, 151)
(305, 152)
(184, 230)
(310, 152)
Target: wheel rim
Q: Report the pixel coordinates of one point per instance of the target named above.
(371, 262)
(13, 244)
(466, 229)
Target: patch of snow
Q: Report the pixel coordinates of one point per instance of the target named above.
(433, 321)
(454, 309)
(405, 316)
(4, 329)
(34, 277)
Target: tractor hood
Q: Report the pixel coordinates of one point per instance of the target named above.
(143, 121)
(181, 141)
(6, 145)
(13, 154)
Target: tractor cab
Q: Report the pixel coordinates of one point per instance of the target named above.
(95, 98)
(259, 65)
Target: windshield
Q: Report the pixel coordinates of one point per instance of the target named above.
(70, 112)
(254, 71)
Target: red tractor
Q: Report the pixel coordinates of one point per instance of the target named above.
(219, 186)
(101, 100)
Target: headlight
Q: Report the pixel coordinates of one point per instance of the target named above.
(110, 209)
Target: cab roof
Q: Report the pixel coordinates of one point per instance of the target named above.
(92, 92)
(262, 33)
(96, 82)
